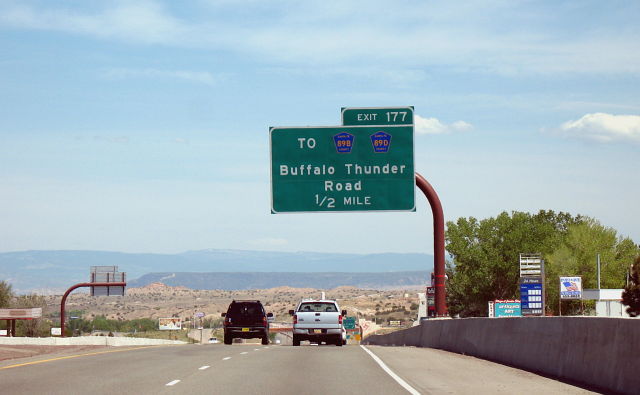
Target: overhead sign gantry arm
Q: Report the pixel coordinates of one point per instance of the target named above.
(105, 281)
(438, 243)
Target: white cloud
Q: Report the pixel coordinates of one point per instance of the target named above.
(434, 126)
(390, 75)
(338, 33)
(577, 105)
(144, 21)
(201, 77)
(604, 127)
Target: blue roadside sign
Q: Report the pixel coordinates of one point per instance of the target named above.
(531, 295)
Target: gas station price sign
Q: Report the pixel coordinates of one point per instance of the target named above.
(342, 168)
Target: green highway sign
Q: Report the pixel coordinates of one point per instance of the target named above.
(354, 116)
(349, 322)
(342, 168)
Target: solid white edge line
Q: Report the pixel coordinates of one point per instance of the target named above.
(391, 373)
(174, 382)
(204, 367)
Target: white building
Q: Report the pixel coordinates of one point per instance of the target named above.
(608, 302)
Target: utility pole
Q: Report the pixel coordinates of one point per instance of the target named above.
(598, 261)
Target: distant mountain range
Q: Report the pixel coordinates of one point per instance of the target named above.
(324, 280)
(55, 271)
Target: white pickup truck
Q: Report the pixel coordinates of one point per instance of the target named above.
(318, 321)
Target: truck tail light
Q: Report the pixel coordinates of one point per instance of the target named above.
(264, 321)
(295, 319)
(340, 319)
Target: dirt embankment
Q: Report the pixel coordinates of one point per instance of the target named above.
(25, 351)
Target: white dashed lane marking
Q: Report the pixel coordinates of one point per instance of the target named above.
(205, 367)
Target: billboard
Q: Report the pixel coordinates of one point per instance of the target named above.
(531, 265)
(571, 287)
(169, 324)
(107, 274)
(507, 308)
(21, 314)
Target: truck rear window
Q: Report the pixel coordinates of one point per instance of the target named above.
(245, 309)
(318, 307)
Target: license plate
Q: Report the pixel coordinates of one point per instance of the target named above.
(317, 331)
(245, 329)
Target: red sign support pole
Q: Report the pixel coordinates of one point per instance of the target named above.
(64, 297)
(438, 243)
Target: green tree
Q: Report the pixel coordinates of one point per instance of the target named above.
(631, 294)
(577, 254)
(78, 326)
(6, 294)
(485, 255)
(34, 327)
(139, 325)
(101, 323)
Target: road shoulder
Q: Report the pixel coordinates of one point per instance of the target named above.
(436, 371)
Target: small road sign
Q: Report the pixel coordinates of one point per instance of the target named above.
(377, 116)
(349, 322)
(342, 168)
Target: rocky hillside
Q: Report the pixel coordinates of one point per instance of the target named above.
(160, 300)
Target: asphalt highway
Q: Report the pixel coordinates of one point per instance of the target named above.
(257, 369)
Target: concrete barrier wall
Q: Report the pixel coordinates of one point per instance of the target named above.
(599, 352)
(85, 341)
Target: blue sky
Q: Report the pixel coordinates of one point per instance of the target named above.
(143, 126)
